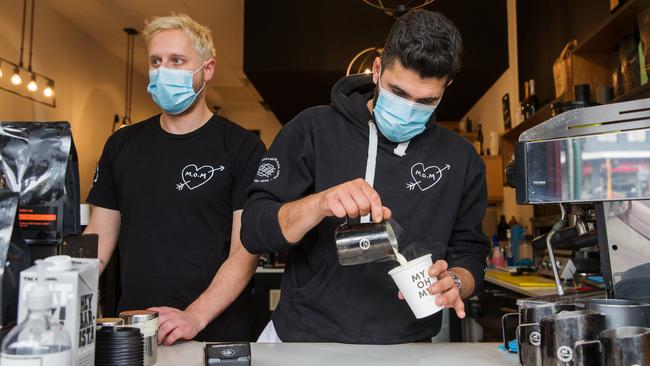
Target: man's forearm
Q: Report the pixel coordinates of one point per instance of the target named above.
(106, 224)
(298, 217)
(352, 199)
(227, 284)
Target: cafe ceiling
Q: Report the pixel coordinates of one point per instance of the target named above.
(286, 54)
(295, 50)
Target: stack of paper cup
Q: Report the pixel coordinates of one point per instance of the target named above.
(413, 281)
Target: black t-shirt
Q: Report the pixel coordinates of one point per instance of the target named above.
(176, 195)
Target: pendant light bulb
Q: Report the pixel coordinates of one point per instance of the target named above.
(15, 78)
(32, 86)
(49, 89)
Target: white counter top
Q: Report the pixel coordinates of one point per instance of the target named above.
(317, 354)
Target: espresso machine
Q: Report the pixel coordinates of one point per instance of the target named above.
(595, 163)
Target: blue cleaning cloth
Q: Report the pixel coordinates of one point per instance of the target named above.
(514, 346)
(597, 279)
(524, 262)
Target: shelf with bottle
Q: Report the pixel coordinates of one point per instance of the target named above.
(454, 126)
(605, 38)
(493, 165)
(530, 104)
(613, 54)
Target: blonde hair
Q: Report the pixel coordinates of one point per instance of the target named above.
(197, 33)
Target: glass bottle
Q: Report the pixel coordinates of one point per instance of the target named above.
(37, 340)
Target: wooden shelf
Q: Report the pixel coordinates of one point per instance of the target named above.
(639, 93)
(606, 38)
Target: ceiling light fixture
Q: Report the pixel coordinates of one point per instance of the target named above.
(14, 85)
(128, 89)
(362, 61)
(396, 8)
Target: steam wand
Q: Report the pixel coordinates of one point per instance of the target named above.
(556, 229)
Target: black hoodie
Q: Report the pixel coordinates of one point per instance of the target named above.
(440, 211)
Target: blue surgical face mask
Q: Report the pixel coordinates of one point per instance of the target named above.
(400, 119)
(172, 89)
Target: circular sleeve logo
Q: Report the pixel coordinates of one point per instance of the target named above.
(268, 170)
(535, 338)
(364, 244)
(565, 354)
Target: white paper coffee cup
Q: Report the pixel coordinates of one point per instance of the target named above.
(413, 281)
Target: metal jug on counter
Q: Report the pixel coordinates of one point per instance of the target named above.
(147, 322)
(622, 346)
(562, 331)
(366, 243)
(528, 332)
(621, 313)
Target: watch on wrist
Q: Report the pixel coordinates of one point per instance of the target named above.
(456, 280)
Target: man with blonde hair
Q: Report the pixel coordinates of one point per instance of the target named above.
(169, 191)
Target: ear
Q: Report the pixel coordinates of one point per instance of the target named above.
(376, 69)
(208, 69)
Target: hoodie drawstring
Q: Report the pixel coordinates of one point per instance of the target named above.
(400, 150)
(371, 163)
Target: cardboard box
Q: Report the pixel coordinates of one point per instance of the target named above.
(74, 284)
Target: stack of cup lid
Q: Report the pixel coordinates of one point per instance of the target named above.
(123, 346)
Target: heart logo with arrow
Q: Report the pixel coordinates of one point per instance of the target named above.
(425, 177)
(193, 176)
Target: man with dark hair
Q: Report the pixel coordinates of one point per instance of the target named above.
(374, 153)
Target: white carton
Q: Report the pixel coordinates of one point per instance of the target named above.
(74, 283)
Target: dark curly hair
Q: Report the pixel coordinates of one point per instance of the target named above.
(426, 42)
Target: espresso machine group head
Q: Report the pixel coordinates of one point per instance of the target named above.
(595, 157)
